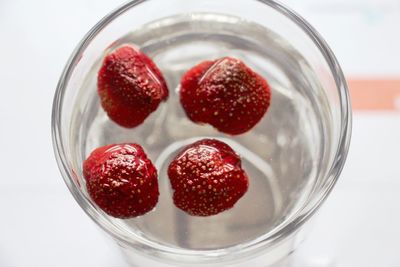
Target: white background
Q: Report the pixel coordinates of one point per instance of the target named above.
(41, 224)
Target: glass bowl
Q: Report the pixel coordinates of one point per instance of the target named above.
(295, 154)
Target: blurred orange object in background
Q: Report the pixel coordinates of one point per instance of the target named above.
(375, 94)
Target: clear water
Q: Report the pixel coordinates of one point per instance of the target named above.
(280, 154)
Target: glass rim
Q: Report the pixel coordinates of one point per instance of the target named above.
(270, 238)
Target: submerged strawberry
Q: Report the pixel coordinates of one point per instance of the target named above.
(226, 94)
(121, 180)
(130, 86)
(207, 178)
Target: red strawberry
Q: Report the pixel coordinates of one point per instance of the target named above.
(207, 178)
(226, 94)
(121, 180)
(130, 86)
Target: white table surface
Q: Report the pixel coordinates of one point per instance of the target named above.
(42, 225)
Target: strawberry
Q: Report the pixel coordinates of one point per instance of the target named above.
(121, 180)
(207, 178)
(226, 94)
(130, 86)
